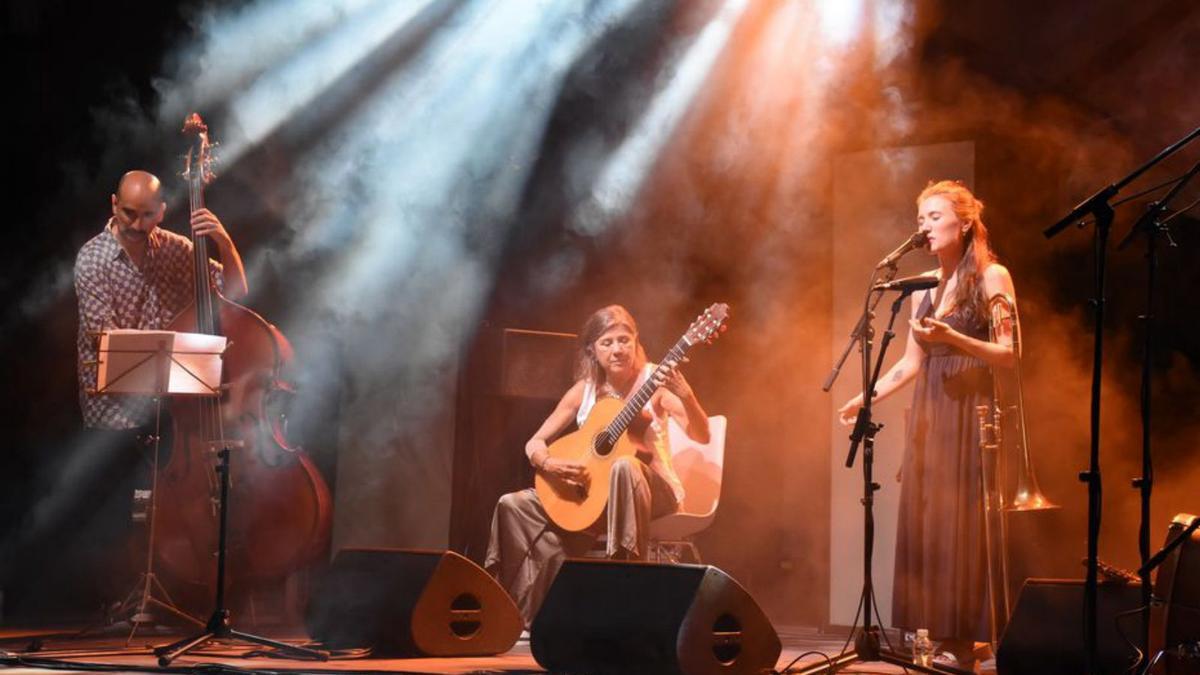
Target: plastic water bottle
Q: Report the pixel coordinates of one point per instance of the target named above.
(923, 648)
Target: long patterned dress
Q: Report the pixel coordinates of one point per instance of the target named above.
(941, 566)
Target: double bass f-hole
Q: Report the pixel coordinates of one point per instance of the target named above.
(280, 395)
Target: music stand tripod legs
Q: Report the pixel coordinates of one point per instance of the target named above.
(866, 642)
(144, 591)
(135, 362)
(220, 626)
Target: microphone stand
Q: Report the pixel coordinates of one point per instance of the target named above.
(220, 624)
(1102, 212)
(866, 640)
(1151, 225)
(863, 325)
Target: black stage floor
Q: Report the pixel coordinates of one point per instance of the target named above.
(26, 651)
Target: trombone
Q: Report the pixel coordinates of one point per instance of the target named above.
(1001, 426)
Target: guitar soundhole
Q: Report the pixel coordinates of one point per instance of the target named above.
(602, 444)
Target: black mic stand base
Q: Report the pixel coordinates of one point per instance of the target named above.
(219, 627)
(867, 650)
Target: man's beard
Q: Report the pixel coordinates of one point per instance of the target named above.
(134, 235)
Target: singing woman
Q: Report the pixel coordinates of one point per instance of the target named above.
(941, 573)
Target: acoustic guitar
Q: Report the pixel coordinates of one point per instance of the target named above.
(602, 439)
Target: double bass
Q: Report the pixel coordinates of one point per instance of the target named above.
(279, 504)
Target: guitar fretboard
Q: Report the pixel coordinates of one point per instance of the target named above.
(635, 404)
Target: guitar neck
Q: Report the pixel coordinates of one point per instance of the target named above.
(638, 401)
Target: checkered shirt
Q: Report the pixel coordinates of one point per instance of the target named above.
(114, 293)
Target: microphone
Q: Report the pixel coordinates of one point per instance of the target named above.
(917, 240)
(907, 284)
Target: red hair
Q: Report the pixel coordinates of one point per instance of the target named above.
(977, 252)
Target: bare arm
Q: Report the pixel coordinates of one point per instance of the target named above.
(677, 400)
(562, 416)
(901, 373)
(205, 222)
(998, 354)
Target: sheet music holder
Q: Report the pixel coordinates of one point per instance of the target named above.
(156, 363)
(159, 362)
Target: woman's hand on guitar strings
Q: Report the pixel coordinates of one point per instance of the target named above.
(667, 375)
(575, 473)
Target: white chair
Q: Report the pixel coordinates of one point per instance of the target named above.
(700, 468)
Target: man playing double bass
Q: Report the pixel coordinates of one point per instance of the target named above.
(135, 275)
(132, 274)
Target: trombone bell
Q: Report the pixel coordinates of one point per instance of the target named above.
(1028, 496)
(1001, 428)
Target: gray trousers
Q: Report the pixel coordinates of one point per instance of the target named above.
(526, 549)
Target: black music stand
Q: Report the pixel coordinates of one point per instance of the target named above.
(156, 364)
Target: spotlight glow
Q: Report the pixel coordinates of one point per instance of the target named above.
(236, 47)
(627, 167)
(840, 20)
(431, 156)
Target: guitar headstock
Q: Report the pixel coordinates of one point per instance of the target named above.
(709, 325)
(199, 160)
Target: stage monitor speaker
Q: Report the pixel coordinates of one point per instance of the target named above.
(633, 617)
(412, 603)
(1045, 634)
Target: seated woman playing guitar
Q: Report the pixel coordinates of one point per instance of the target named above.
(527, 546)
